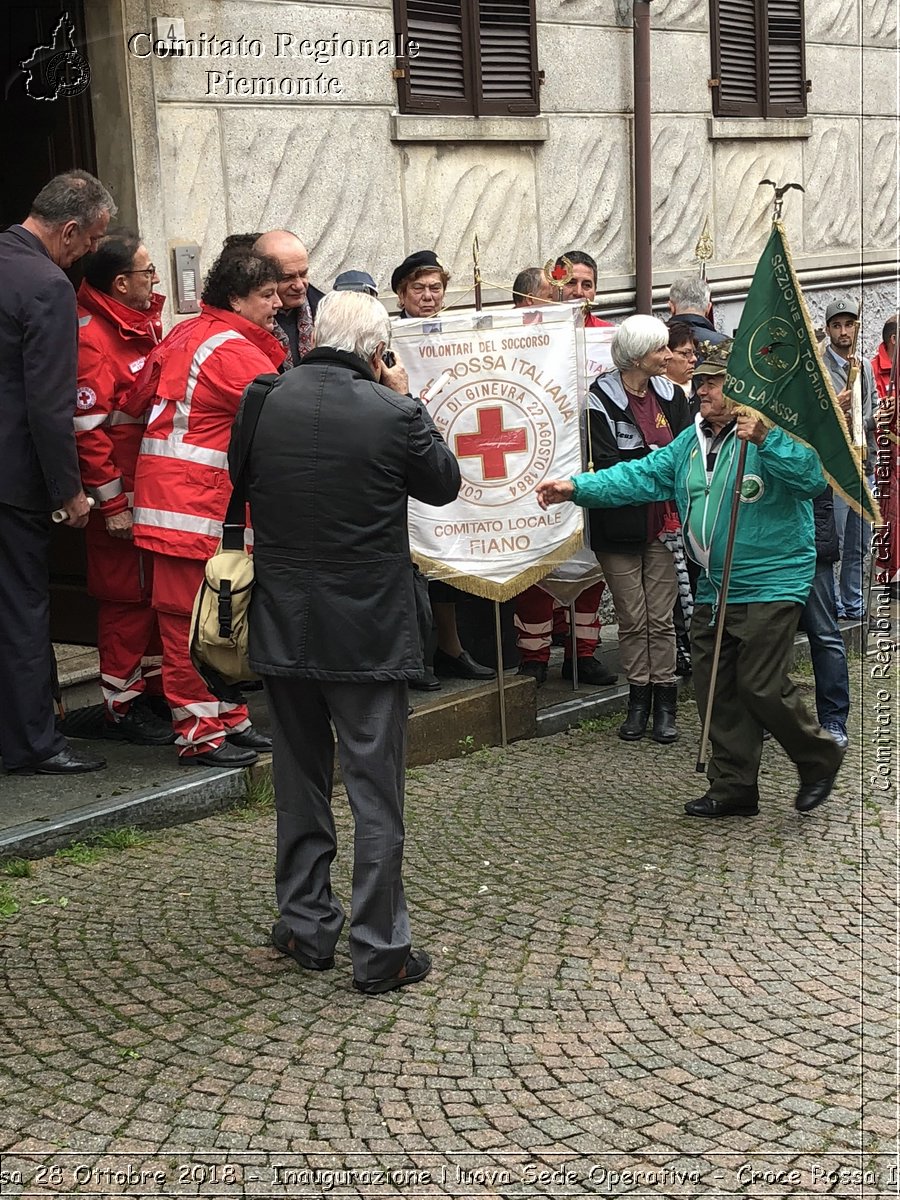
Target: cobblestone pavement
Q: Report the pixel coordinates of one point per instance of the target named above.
(624, 1000)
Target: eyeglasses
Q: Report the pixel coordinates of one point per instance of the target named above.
(151, 270)
(686, 353)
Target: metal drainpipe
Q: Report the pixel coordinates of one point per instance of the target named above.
(643, 236)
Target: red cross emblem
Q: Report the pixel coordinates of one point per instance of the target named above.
(491, 443)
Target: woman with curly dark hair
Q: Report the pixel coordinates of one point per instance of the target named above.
(191, 387)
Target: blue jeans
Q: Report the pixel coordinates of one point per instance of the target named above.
(853, 536)
(826, 647)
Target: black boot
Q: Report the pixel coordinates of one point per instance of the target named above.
(665, 699)
(634, 726)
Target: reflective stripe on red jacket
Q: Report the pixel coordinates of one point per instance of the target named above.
(113, 342)
(199, 373)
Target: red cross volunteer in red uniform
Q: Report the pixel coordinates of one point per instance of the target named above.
(194, 382)
(119, 323)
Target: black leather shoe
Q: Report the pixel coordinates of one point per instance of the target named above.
(66, 762)
(285, 943)
(225, 755)
(710, 806)
(142, 727)
(537, 671)
(682, 655)
(426, 682)
(590, 670)
(417, 966)
(463, 666)
(811, 795)
(250, 739)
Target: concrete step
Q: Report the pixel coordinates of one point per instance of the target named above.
(147, 786)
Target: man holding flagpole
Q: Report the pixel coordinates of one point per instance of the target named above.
(758, 566)
(774, 562)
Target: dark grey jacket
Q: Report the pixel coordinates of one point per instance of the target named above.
(38, 376)
(334, 458)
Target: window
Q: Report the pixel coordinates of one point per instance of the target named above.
(759, 58)
(477, 57)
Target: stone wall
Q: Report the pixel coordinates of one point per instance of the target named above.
(364, 187)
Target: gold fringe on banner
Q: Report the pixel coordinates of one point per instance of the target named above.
(826, 378)
(488, 589)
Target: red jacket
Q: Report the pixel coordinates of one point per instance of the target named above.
(194, 381)
(113, 341)
(882, 366)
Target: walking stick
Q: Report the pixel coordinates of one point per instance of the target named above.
(723, 601)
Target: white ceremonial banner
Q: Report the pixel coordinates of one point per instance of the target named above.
(506, 388)
(598, 350)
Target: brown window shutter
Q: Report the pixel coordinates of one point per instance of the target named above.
(736, 60)
(437, 79)
(786, 59)
(507, 57)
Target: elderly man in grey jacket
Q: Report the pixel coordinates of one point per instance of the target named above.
(338, 449)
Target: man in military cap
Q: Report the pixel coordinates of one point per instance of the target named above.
(841, 317)
(774, 563)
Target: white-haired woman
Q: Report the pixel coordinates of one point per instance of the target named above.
(633, 411)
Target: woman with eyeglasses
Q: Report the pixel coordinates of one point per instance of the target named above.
(191, 387)
(683, 359)
(633, 411)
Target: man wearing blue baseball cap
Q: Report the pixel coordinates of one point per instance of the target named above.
(356, 281)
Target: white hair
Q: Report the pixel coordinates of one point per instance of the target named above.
(690, 294)
(352, 321)
(635, 337)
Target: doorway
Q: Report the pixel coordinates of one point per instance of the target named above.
(46, 127)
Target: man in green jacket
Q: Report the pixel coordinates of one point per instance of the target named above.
(772, 571)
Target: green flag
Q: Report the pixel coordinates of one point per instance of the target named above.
(775, 369)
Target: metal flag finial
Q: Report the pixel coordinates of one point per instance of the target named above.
(778, 198)
(703, 252)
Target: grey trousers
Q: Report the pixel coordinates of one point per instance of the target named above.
(370, 723)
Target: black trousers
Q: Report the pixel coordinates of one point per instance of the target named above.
(27, 724)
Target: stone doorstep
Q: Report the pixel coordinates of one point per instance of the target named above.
(440, 727)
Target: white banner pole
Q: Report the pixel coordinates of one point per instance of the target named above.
(501, 681)
(574, 647)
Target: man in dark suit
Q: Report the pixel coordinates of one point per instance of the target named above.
(299, 299)
(337, 451)
(38, 386)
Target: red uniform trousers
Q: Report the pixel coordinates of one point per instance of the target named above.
(201, 722)
(534, 620)
(120, 578)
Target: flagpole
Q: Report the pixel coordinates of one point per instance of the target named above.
(501, 682)
(723, 602)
